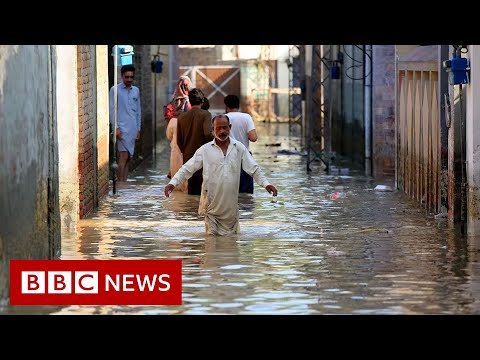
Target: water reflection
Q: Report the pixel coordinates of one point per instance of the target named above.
(358, 252)
(246, 206)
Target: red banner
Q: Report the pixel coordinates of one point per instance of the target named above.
(95, 282)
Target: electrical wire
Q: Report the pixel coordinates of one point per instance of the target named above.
(460, 48)
(361, 63)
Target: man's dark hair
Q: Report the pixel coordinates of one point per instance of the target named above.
(196, 96)
(206, 104)
(126, 68)
(232, 101)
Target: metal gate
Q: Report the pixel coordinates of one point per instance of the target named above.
(216, 82)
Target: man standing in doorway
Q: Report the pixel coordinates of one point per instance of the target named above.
(129, 119)
(243, 130)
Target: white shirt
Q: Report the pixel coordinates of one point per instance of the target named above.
(242, 124)
(221, 179)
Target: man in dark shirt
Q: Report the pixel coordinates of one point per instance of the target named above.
(194, 128)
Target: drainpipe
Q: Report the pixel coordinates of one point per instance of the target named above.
(308, 101)
(396, 116)
(155, 57)
(368, 109)
(115, 99)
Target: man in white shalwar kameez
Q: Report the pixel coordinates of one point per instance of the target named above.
(221, 160)
(129, 119)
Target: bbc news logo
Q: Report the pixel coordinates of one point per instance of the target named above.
(95, 282)
(59, 282)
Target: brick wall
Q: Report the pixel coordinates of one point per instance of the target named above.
(383, 111)
(87, 124)
(197, 56)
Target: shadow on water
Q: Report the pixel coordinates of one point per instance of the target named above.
(358, 252)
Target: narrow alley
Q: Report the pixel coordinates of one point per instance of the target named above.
(360, 252)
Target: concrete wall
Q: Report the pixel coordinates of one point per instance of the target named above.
(405, 49)
(102, 120)
(160, 87)
(383, 110)
(27, 150)
(283, 80)
(68, 130)
(473, 142)
(254, 93)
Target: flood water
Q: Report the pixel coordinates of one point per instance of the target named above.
(356, 252)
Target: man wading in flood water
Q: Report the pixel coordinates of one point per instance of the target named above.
(221, 160)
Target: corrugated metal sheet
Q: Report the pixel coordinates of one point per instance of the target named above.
(419, 133)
